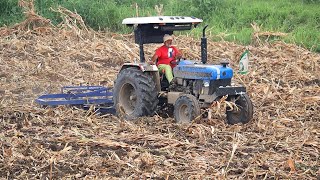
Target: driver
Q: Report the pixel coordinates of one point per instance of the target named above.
(166, 55)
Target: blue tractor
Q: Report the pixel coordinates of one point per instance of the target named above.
(139, 88)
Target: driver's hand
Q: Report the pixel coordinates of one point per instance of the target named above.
(174, 62)
(151, 63)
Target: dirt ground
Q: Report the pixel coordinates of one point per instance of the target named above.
(281, 142)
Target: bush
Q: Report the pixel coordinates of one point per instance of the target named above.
(299, 18)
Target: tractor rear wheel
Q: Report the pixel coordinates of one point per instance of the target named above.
(244, 111)
(135, 94)
(186, 108)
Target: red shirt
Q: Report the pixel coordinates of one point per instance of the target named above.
(166, 55)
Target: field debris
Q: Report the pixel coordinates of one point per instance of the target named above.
(282, 141)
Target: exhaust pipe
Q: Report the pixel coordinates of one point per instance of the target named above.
(204, 46)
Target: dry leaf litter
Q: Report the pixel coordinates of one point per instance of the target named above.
(282, 141)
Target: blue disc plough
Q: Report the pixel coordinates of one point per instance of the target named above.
(84, 96)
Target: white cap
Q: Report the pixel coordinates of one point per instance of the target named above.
(167, 37)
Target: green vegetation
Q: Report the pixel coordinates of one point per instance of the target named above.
(229, 19)
(10, 12)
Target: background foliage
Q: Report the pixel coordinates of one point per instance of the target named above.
(228, 19)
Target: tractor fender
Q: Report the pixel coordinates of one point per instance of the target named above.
(145, 67)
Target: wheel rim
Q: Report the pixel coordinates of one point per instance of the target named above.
(127, 98)
(184, 113)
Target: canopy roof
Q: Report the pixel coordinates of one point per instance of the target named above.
(161, 19)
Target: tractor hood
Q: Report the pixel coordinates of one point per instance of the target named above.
(189, 70)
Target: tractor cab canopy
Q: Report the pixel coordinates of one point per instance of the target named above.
(152, 29)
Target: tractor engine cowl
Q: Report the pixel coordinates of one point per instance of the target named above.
(190, 70)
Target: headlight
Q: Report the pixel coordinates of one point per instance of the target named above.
(206, 83)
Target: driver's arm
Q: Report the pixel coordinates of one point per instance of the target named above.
(178, 54)
(154, 58)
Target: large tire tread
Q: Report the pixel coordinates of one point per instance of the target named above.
(147, 92)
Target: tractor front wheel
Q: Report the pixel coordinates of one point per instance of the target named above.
(186, 108)
(243, 112)
(135, 94)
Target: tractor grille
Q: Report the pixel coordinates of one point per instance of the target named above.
(214, 84)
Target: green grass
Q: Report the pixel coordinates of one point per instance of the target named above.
(9, 12)
(228, 18)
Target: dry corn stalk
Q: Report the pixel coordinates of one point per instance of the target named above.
(219, 107)
(282, 142)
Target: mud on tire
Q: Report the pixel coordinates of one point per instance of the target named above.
(135, 94)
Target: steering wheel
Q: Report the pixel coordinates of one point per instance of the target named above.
(176, 61)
